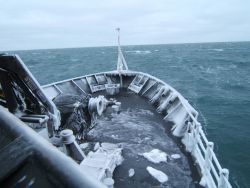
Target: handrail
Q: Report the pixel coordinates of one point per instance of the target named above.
(62, 170)
(220, 178)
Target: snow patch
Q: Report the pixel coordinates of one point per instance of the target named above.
(157, 174)
(156, 156)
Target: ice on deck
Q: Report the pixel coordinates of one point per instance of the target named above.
(101, 163)
(175, 156)
(155, 156)
(131, 172)
(157, 174)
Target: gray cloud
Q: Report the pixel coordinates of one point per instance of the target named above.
(31, 24)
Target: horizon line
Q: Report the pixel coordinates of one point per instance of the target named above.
(59, 48)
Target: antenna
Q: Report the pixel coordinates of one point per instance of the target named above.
(121, 62)
(118, 35)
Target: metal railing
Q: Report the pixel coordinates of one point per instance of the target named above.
(25, 146)
(196, 142)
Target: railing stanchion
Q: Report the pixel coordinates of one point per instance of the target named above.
(207, 165)
(224, 174)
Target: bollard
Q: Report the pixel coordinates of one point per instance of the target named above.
(67, 136)
(71, 148)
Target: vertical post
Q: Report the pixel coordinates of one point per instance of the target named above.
(192, 138)
(207, 167)
(224, 174)
(189, 138)
(121, 62)
(208, 156)
(118, 39)
(196, 130)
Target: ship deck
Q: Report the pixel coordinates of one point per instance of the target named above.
(138, 129)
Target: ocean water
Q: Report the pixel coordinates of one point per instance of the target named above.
(214, 77)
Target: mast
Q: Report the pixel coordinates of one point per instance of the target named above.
(121, 62)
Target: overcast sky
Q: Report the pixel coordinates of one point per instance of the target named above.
(37, 24)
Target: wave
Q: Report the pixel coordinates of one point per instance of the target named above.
(218, 49)
(74, 60)
(139, 51)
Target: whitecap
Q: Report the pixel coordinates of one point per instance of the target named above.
(218, 49)
(74, 60)
(139, 51)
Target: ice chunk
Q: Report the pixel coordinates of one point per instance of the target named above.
(109, 146)
(114, 136)
(21, 179)
(84, 145)
(102, 163)
(156, 156)
(157, 174)
(131, 172)
(31, 182)
(175, 156)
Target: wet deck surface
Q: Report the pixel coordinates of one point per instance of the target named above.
(138, 129)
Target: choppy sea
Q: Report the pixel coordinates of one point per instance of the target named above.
(214, 77)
